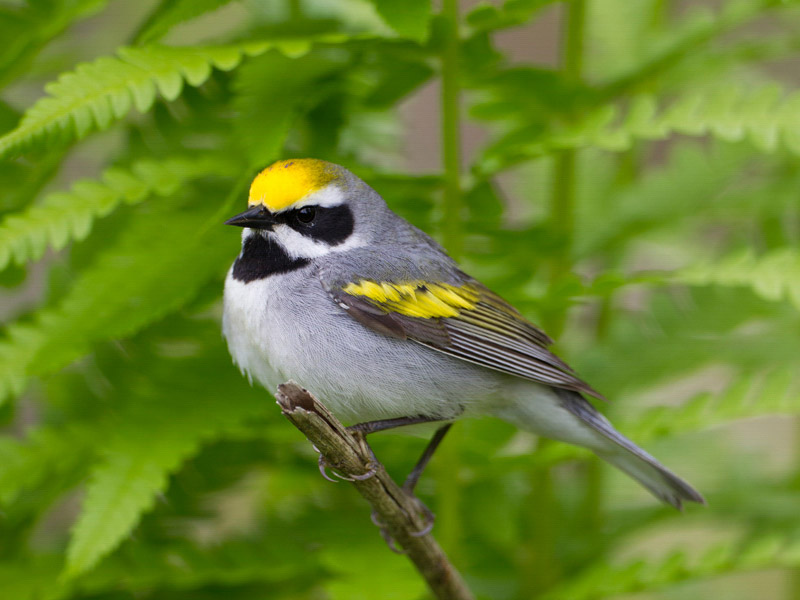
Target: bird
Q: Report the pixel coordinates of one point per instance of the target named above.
(336, 291)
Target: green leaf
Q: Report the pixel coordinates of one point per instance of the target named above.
(163, 420)
(65, 216)
(26, 31)
(749, 395)
(774, 276)
(47, 453)
(173, 12)
(145, 273)
(220, 568)
(512, 13)
(695, 182)
(680, 44)
(603, 580)
(97, 93)
(272, 89)
(410, 19)
(764, 116)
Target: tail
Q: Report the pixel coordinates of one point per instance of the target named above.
(628, 457)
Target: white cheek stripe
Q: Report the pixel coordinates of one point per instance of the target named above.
(299, 246)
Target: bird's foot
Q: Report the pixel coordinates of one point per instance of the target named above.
(384, 530)
(322, 462)
(428, 521)
(426, 513)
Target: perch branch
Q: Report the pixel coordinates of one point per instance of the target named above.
(398, 512)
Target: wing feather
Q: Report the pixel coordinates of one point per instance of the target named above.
(465, 320)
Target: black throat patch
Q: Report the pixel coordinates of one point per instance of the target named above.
(261, 257)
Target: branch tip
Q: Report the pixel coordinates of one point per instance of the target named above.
(394, 509)
(291, 397)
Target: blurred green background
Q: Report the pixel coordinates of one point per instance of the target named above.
(626, 173)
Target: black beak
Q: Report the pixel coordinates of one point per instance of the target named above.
(257, 217)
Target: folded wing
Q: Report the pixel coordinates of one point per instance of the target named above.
(465, 320)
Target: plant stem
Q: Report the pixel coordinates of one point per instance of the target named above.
(794, 574)
(446, 463)
(539, 561)
(451, 132)
(562, 206)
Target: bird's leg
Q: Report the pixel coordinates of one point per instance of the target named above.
(413, 477)
(384, 424)
(411, 481)
(363, 429)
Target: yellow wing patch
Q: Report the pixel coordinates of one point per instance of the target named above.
(287, 181)
(416, 298)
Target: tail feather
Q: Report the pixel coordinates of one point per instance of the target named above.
(628, 457)
(661, 482)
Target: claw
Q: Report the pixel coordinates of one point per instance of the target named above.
(430, 520)
(323, 466)
(373, 516)
(390, 542)
(372, 470)
(427, 514)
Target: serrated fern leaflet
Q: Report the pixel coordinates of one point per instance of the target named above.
(97, 93)
(135, 467)
(65, 216)
(764, 116)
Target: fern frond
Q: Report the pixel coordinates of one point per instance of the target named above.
(170, 568)
(680, 43)
(769, 550)
(488, 17)
(142, 275)
(97, 93)
(32, 26)
(409, 19)
(66, 216)
(764, 116)
(286, 568)
(777, 392)
(170, 13)
(136, 467)
(46, 453)
(690, 183)
(271, 89)
(774, 276)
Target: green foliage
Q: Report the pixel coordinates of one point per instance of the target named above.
(649, 222)
(409, 19)
(171, 13)
(728, 112)
(97, 93)
(134, 469)
(767, 551)
(774, 276)
(62, 217)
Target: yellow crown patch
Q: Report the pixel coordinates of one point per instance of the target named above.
(287, 181)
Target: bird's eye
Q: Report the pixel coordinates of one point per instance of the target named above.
(306, 214)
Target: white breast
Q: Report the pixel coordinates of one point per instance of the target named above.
(246, 307)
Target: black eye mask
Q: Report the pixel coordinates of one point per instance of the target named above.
(331, 225)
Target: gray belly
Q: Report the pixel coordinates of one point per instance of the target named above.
(286, 327)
